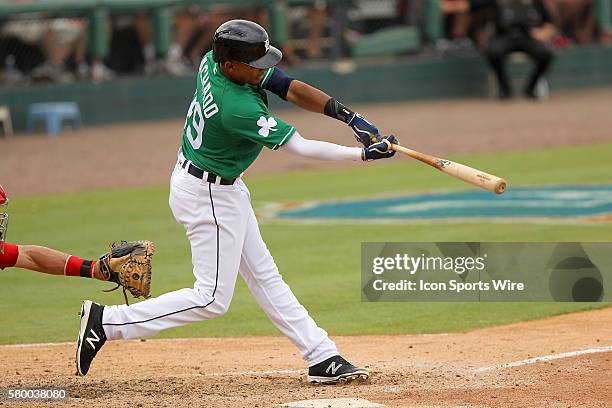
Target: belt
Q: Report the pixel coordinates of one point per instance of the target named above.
(199, 173)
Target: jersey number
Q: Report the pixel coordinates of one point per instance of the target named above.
(197, 119)
(197, 123)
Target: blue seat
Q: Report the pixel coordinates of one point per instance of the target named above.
(53, 114)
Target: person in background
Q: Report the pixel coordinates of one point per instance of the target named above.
(456, 18)
(520, 25)
(317, 19)
(44, 47)
(574, 18)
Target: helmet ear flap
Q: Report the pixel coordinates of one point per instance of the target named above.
(221, 52)
(216, 52)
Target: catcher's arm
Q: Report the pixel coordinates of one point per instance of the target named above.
(128, 264)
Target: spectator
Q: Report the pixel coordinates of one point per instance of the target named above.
(574, 18)
(317, 18)
(44, 47)
(126, 52)
(456, 18)
(132, 50)
(48, 49)
(18, 56)
(194, 30)
(520, 25)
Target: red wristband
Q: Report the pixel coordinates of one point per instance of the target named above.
(8, 259)
(76, 266)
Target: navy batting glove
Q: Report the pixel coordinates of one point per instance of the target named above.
(365, 132)
(380, 150)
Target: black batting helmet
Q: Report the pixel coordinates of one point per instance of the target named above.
(245, 41)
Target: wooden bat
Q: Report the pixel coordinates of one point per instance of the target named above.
(470, 175)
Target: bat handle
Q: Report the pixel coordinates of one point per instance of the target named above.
(422, 157)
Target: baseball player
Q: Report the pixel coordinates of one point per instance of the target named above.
(124, 265)
(227, 125)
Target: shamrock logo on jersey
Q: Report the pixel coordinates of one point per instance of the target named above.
(266, 125)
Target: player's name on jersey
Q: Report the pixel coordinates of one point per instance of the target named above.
(209, 107)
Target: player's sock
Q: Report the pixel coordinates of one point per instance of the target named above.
(76, 266)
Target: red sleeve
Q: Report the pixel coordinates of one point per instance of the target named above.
(9, 257)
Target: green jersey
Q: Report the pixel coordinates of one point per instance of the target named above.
(228, 124)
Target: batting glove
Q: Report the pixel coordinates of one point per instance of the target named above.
(380, 150)
(365, 132)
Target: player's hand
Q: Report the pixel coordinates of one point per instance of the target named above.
(365, 132)
(380, 150)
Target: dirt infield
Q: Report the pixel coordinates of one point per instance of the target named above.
(143, 154)
(458, 369)
(489, 367)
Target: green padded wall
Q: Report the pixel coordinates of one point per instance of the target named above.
(415, 78)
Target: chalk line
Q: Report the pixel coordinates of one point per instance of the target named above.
(543, 359)
(178, 339)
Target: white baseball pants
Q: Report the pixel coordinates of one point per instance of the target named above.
(225, 239)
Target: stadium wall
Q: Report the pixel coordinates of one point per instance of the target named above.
(416, 78)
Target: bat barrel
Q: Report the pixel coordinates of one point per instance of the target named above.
(468, 174)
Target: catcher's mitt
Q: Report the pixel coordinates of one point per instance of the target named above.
(128, 264)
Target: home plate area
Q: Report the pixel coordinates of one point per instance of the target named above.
(516, 365)
(333, 403)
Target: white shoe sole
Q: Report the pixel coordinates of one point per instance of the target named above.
(360, 375)
(85, 310)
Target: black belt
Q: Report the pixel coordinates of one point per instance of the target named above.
(199, 173)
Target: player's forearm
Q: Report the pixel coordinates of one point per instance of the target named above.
(312, 99)
(316, 149)
(47, 260)
(41, 259)
(307, 97)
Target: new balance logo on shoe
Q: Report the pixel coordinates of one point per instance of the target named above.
(91, 340)
(333, 367)
(335, 370)
(91, 335)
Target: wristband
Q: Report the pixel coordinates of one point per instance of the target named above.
(337, 110)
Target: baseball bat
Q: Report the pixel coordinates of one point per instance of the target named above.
(468, 174)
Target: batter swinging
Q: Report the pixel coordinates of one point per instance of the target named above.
(227, 125)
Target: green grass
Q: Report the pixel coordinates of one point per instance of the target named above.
(320, 262)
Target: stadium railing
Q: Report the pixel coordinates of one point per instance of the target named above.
(98, 11)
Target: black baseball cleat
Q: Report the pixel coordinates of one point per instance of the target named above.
(335, 370)
(91, 336)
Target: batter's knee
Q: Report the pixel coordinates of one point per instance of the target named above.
(215, 306)
(219, 308)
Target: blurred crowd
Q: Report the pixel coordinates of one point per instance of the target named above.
(573, 20)
(36, 47)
